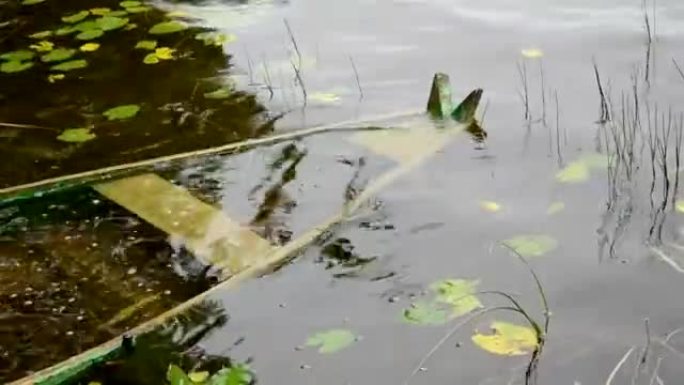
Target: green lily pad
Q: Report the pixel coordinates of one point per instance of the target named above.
(426, 313)
(41, 35)
(238, 374)
(31, 2)
(507, 339)
(15, 66)
(87, 25)
(19, 55)
(70, 65)
(459, 294)
(76, 135)
(63, 31)
(151, 58)
(109, 23)
(176, 376)
(534, 245)
(221, 93)
(122, 112)
(146, 44)
(58, 54)
(129, 4)
(90, 35)
(198, 376)
(167, 27)
(215, 38)
(331, 341)
(137, 9)
(76, 17)
(117, 13)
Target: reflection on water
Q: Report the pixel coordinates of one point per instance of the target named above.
(184, 98)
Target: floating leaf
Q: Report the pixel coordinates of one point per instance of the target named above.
(198, 376)
(41, 35)
(109, 23)
(555, 208)
(459, 293)
(117, 13)
(236, 375)
(532, 53)
(89, 47)
(151, 58)
(122, 112)
(59, 54)
(177, 14)
(534, 245)
(146, 44)
(87, 25)
(90, 35)
(324, 97)
(20, 55)
(176, 376)
(580, 170)
(490, 206)
(100, 11)
(14, 66)
(137, 9)
(221, 93)
(76, 135)
(31, 2)
(55, 77)
(66, 30)
(331, 341)
(215, 38)
(70, 65)
(130, 26)
(167, 27)
(42, 46)
(164, 53)
(507, 339)
(426, 313)
(76, 17)
(128, 4)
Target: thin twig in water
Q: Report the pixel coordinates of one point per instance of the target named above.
(605, 115)
(356, 75)
(666, 258)
(249, 67)
(522, 72)
(655, 371)
(644, 354)
(300, 81)
(679, 69)
(543, 90)
(294, 43)
(267, 78)
(617, 367)
(558, 150)
(27, 126)
(679, 133)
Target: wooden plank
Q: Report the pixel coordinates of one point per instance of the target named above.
(203, 229)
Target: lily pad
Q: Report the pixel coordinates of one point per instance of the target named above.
(76, 17)
(151, 58)
(66, 30)
(90, 35)
(507, 339)
(41, 35)
(215, 38)
(221, 93)
(490, 206)
(19, 55)
(70, 65)
(324, 97)
(459, 293)
(137, 9)
(164, 53)
(236, 375)
(534, 245)
(331, 341)
(555, 208)
(146, 44)
(122, 112)
(89, 47)
(87, 25)
(167, 27)
(55, 77)
(76, 135)
(15, 66)
(42, 46)
(679, 206)
(31, 2)
(59, 54)
(100, 11)
(532, 53)
(109, 23)
(129, 4)
(198, 376)
(580, 170)
(176, 376)
(426, 313)
(117, 13)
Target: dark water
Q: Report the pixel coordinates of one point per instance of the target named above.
(603, 280)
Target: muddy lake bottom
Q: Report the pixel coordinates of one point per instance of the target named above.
(586, 198)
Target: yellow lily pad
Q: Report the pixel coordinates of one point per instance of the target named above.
(55, 77)
(42, 46)
(507, 339)
(198, 377)
(324, 97)
(533, 245)
(580, 170)
(532, 53)
(89, 47)
(679, 206)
